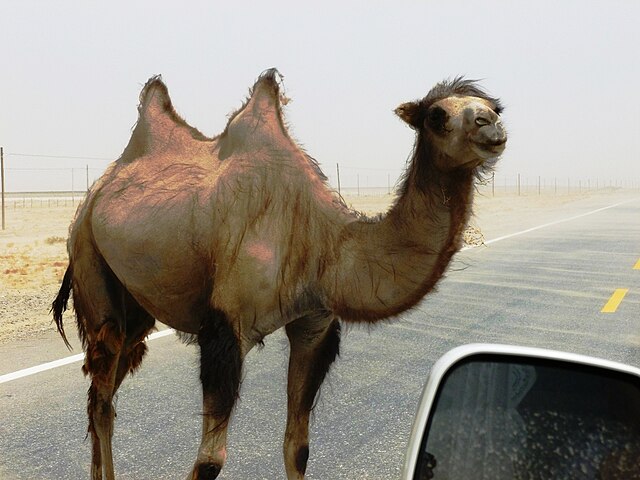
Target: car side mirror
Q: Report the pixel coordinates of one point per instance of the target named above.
(504, 412)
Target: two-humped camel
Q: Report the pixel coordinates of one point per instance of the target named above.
(231, 238)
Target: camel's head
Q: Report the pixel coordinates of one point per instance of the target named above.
(458, 122)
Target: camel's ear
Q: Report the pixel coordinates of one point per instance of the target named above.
(411, 113)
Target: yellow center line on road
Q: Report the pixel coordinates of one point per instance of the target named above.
(637, 265)
(612, 305)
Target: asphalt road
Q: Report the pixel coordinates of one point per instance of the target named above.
(543, 288)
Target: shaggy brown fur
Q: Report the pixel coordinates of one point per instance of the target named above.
(230, 238)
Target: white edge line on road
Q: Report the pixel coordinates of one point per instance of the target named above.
(64, 361)
(163, 333)
(550, 224)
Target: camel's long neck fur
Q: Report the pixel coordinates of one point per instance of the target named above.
(386, 266)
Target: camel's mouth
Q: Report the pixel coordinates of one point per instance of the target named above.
(489, 149)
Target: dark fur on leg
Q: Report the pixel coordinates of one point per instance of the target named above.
(301, 459)
(208, 471)
(326, 353)
(220, 365)
(315, 344)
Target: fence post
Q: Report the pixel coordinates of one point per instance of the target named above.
(2, 175)
(518, 184)
(493, 184)
(338, 170)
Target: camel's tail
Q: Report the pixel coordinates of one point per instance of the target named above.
(60, 304)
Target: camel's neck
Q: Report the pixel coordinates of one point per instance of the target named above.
(387, 266)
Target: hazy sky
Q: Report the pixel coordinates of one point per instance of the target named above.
(567, 71)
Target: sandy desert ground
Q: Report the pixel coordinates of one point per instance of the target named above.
(33, 246)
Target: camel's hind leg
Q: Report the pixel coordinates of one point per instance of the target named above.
(112, 348)
(124, 356)
(315, 343)
(101, 364)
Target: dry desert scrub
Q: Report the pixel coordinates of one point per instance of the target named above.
(33, 259)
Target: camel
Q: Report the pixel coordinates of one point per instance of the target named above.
(228, 239)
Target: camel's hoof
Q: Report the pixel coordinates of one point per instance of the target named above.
(207, 471)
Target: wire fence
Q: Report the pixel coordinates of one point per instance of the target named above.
(28, 185)
(497, 186)
(23, 200)
(51, 179)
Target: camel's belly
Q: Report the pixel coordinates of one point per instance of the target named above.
(178, 288)
(177, 263)
(171, 285)
(176, 297)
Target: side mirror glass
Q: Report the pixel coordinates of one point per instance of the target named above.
(501, 415)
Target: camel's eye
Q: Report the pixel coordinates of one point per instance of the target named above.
(481, 121)
(437, 119)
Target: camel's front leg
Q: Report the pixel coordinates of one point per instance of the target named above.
(220, 371)
(314, 346)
